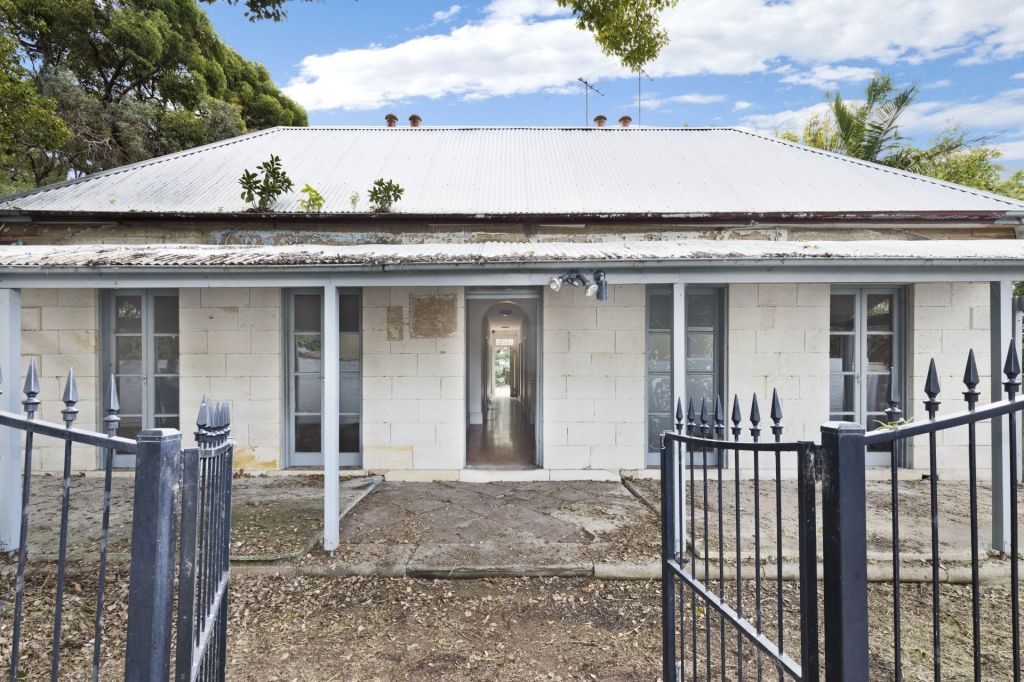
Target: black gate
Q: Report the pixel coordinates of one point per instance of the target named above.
(717, 636)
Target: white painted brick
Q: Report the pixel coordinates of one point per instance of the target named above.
(440, 365)
(76, 298)
(265, 388)
(572, 318)
(742, 295)
(41, 298)
(230, 388)
(629, 388)
(425, 457)
(31, 318)
(453, 388)
(615, 364)
(567, 457)
(258, 319)
(555, 433)
(70, 318)
(204, 365)
(416, 388)
(380, 364)
(234, 342)
(813, 295)
(628, 295)
(590, 433)
(224, 297)
(630, 341)
(376, 297)
(253, 364)
(932, 294)
(611, 411)
(591, 340)
(567, 364)
(776, 294)
(569, 410)
(265, 297)
(617, 457)
(207, 319)
(414, 434)
(620, 318)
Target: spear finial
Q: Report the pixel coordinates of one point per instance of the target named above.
(931, 389)
(70, 399)
(971, 381)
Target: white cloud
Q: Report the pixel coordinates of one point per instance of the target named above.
(1013, 150)
(651, 100)
(941, 83)
(825, 77)
(446, 14)
(1001, 112)
(1018, 76)
(790, 119)
(740, 105)
(527, 46)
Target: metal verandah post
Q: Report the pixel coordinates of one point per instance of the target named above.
(844, 545)
(668, 545)
(151, 582)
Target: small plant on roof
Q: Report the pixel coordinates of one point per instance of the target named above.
(314, 201)
(384, 194)
(262, 192)
(353, 200)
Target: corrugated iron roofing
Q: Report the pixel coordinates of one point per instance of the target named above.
(13, 258)
(514, 171)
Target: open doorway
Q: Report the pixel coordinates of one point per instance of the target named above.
(502, 395)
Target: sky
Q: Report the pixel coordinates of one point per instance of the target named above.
(759, 64)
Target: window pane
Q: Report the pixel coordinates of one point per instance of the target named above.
(128, 314)
(879, 352)
(699, 386)
(878, 386)
(880, 312)
(350, 392)
(166, 356)
(659, 314)
(701, 311)
(349, 311)
(307, 352)
(307, 312)
(659, 352)
(165, 395)
(129, 427)
(841, 313)
(659, 394)
(348, 433)
(842, 389)
(165, 314)
(349, 351)
(307, 434)
(656, 424)
(842, 357)
(128, 355)
(700, 352)
(129, 393)
(307, 394)
(167, 423)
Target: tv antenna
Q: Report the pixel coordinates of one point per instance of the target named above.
(639, 102)
(587, 87)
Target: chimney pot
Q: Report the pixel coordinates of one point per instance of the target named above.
(392, 120)
(415, 121)
(599, 120)
(624, 121)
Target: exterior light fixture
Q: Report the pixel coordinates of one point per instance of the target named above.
(555, 283)
(600, 285)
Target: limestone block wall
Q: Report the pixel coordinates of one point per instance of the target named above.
(414, 378)
(60, 329)
(231, 341)
(778, 339)
(947, 320)
(594, 379)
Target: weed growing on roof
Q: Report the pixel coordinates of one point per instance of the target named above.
(262, 192)
(353, 199)
(383, 195)
(314, 201)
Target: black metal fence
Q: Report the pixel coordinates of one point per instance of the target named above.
(689, 628)
(203, 476)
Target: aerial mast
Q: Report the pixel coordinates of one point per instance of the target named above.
(639, 102)
(587, 87)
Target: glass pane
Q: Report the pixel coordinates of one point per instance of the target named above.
(880, 312)
(840, 417)
(842, 389)
(879, 352)
(307, 434)
(129, 427)
(349, 311)
(350, 393)
(128, 355)
(165, 395)
(659, 352)
(129, 393)
(878, 386)
(659, 313)
(348, 433)
(841, 313)
(166, 356)
(307, 352)
(699, 386)
(128, 314)
(307, 394)
(701, 311)
(307, 312)
(350, 350)
(167, 423)
(659, 394)
(165, 314)
(841, 354)
(700, 352)
(656, 424)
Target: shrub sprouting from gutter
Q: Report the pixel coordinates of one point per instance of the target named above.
(384, 194)
(261, 191)
(314, 201)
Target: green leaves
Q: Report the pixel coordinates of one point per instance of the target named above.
(384, 194)
(262, 191)
(627, 29)
(314, 201)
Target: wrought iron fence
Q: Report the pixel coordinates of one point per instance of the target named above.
(762, 625)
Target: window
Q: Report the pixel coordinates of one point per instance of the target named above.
(305, 377)
(865, 340)
(141, 353)
(704, 362)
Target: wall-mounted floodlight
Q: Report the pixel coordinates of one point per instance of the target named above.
(600, 285)
(555, 283)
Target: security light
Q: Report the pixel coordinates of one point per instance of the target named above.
(601, 285)
(591, 289)
(555, 283)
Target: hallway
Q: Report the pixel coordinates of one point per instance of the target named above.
(505, 439)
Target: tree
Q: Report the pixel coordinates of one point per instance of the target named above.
(132, 79)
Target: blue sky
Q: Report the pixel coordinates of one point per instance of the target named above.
(762, 64)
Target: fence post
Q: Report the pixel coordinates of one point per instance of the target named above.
(151, 582)
(844, 525)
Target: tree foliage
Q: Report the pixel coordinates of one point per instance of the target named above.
(869, 130)
(384, 194)
(132, 79)
(261, 10)
(629, 30)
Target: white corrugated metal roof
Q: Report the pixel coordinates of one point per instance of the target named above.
(684, 172)
(13, 258)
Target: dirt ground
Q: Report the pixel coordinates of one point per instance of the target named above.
(322, 628)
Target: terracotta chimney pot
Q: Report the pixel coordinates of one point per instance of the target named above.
(415, 121)
(392, 120)
(599, 120)
(624, 121)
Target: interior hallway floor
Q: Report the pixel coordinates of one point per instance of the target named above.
(505, 439)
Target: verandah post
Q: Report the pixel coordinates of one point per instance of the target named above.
(668, 553)
(1001, 323)
(844, 545)
(151, 581)
(10, 439)
(329, 437)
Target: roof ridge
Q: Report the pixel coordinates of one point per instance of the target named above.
(874, 165)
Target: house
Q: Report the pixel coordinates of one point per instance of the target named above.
(605, 270)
